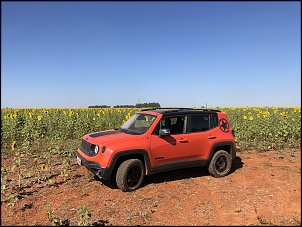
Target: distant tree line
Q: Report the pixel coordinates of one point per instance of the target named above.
(149, 104)
(138, 105)
(99, 106)
(124, 106)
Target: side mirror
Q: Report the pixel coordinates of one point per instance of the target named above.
(164, 132)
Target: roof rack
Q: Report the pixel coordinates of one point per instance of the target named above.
(179, 108)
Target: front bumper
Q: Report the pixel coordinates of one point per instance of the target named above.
(94, 167)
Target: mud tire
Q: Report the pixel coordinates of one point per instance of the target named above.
(130, 175)
(220, 164)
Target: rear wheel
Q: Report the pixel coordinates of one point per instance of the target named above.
(130, 175)
(220, 164)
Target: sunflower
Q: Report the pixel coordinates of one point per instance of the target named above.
(13, 145)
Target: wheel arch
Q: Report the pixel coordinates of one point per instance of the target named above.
(226, 146)
(120, 157)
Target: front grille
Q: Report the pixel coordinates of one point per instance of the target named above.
(86, 148)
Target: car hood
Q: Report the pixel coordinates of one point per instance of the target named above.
(108, 136)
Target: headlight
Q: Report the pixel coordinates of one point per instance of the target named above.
(96, 149)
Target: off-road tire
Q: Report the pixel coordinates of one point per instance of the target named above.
(130, 175)
(220, 164)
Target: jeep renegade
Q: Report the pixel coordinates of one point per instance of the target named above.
(156, 140)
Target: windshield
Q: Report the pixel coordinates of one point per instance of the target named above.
(138, 124)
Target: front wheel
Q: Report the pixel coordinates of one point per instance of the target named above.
(220, 164)
(130, 175)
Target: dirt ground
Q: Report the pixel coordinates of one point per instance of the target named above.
(262, 189)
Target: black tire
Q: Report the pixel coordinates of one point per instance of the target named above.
(130, 175)
(220, 164)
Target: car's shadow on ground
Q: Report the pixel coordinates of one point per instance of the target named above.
(174, 175)
(179, 174)
(237, 164)
(187, 173)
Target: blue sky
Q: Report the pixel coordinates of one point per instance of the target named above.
(179, 54)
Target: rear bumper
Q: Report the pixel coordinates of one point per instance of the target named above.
(94, 167)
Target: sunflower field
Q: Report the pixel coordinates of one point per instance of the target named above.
(258, 128)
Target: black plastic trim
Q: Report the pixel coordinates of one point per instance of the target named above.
(105, 173)
(93, 167)
(126, 153)
(221, 144)
(178, 165)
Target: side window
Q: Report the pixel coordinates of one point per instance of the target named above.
(176, 124)
(166, 123)
(214, 120)
(178, 127)
(200, 122)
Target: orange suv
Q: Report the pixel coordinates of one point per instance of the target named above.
(156, 140)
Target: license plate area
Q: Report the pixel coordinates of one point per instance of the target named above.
(79, 161)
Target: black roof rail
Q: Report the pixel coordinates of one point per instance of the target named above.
(179, 108)
(204, 109)
(166, 108)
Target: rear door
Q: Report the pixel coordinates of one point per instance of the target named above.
(203, 134)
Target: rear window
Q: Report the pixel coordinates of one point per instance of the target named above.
(203, 122)
(214, 120)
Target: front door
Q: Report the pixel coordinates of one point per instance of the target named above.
(172, 148)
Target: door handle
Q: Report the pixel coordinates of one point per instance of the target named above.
(212, 137)
(183, 140)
